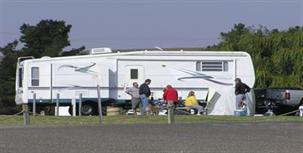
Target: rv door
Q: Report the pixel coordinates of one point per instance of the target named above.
(133, 73)
(19, 84)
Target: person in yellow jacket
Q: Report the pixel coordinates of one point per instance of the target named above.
(192, 102)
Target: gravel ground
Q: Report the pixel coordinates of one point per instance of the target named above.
(150, 138)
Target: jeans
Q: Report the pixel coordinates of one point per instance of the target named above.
(239, 99)
(144, 101)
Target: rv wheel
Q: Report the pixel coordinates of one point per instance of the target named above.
(88, 109)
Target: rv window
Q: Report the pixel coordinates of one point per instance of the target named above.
(35, 76)
(217, 66)
(134, 74)
(225, 66)
(20, 79)
(198, 66)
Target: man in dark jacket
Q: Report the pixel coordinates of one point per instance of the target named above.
(144, 92)
(240, 90)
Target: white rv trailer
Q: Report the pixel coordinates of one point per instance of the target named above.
(205, 72)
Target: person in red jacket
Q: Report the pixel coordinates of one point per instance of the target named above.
(170, 95)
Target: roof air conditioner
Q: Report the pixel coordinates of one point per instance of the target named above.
(100, 50)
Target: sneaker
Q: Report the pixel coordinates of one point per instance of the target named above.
(198, 114)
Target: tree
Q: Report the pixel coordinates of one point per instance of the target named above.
(1, 57)
(277, 55)
(7, 77)
(74, 51)
(233, 37)
(47, 38)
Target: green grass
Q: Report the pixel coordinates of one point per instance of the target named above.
(123, 119)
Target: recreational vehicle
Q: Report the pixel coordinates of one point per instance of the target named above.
(209, 73)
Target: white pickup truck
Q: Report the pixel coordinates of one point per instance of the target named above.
(281, 100)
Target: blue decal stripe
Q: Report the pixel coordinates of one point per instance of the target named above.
(197, 75)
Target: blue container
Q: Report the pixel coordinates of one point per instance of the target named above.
(240, 112)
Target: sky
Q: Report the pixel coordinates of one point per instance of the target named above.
(125, 24)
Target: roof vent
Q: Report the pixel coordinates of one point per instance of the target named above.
(100, 50)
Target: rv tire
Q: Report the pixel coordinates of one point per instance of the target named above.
(88, 109)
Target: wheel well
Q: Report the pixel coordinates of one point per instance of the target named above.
(94, 103)
(109, 101)
(89, 102)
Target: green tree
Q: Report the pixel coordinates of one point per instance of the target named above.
(74, 51)
(233, 37)
(7, 77)
(277, 55)
(47, 38)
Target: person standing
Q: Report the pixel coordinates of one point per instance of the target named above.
(170, 95)
(134, 93)
(192, 102)
(240, 90)
(144, 92)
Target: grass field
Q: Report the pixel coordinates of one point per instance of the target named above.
(123, 119)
